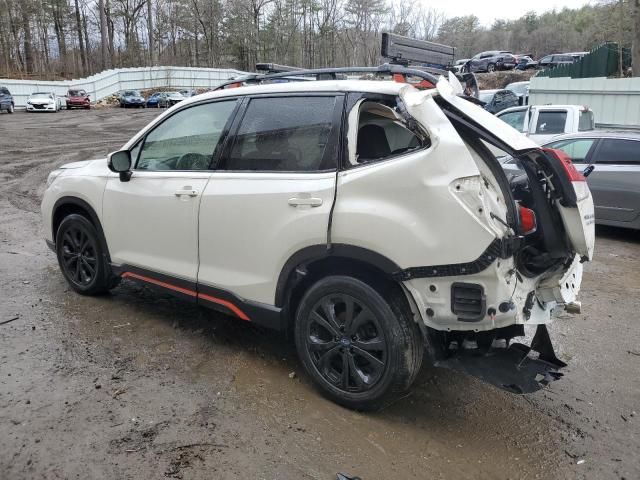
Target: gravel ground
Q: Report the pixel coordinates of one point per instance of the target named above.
(139, 385)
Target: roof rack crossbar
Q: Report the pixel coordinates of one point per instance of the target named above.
(333, 72)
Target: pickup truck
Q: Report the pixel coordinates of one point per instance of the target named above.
(543, 122)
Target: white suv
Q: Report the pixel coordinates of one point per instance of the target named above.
(367, 218)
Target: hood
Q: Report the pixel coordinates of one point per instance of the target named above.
(40, 100)
(81, 164)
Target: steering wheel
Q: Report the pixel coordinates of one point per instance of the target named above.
(193, 161)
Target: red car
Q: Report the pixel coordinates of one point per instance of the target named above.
(78, 99)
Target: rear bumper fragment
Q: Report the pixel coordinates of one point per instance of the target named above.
(514, 368)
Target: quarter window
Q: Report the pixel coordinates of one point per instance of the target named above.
(381, 134)
(551, 122)
(626, 152)
(284, 134)
(577, 150)
(187, 140)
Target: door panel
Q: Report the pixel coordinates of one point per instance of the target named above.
(616, 192)
(148, 224)
(151, 221)
(615, 181)
(249, 227)
(272, 192)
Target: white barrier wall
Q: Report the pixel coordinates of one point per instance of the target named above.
(109, 82)
(615, 101)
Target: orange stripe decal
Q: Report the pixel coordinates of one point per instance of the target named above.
(239, 313)
(191, 293)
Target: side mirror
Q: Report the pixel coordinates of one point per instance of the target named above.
(120, 162)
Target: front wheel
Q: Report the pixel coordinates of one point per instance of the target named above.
(82, 258)
(491, 68)
(11, 108)
(359, 347)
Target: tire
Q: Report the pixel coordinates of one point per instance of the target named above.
(491, 68)
(11, 108)
(361, 360)
(82, 258)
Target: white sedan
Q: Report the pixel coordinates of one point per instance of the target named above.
(43, 102)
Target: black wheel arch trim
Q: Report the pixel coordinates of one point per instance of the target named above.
(310, 254)
(95, 220)
(498, 248)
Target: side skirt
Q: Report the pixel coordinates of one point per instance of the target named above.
(208, 296)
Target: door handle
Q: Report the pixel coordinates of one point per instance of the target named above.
(305, 202)
(188, 191)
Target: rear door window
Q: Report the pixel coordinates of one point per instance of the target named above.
(619, 151)
(551, 122)
(284, 134)
(586, 121)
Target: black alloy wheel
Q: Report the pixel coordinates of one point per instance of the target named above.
(82, 258)
(358, 343)
(79, 255)
(346, 343)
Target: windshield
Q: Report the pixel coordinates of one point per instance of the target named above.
(518, 88)
(131, 93)
(41, 94)
(486, 96)
(77, 93)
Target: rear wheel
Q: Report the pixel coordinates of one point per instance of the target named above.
(360, 348)
(81, 257)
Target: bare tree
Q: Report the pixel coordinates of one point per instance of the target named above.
(635, 53)
(46, 37)
(104, 47)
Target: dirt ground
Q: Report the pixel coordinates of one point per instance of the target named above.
(137, 385)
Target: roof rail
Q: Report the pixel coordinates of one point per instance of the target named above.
(427, 74)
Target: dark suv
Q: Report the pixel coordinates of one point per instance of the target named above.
(491, 61)
(551, 61)
(497, 100)
(6, 100)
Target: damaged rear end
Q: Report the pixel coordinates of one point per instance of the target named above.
(544, 231)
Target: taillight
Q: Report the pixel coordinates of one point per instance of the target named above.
(527, 220)
(573, 174)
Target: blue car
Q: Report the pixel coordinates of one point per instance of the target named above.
(157, 100)
(131, 98)
(164, 99)
(6, 100)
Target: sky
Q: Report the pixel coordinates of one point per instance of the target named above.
(487, 11)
